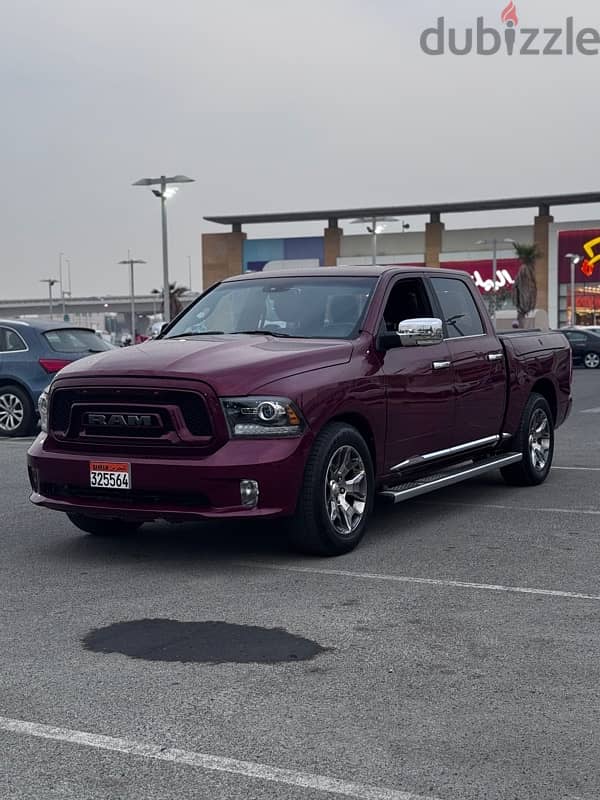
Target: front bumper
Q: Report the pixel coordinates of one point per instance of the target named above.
(174, 489)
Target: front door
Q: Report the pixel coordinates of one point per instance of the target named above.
(419, 382)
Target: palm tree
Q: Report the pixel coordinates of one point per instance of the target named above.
(525, 291)
(175, 295)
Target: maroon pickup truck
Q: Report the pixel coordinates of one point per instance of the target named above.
(301, 394)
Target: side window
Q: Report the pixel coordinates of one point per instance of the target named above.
(408, 300)
(458, 308)
(576, 338)
(10, 342)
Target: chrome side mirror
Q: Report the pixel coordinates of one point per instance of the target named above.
(421, 332)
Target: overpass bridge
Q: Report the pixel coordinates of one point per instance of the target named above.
(81, 308)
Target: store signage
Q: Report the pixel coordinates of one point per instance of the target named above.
(503, 278)
(589, 264)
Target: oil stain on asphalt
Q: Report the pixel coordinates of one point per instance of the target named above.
(201, 642)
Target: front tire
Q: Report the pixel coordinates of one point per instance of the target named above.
(336, 499)
(17, 416)
(535, 440)
(591, 360)
(104, 526)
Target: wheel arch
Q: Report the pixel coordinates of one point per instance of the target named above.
(546, 388)
(9, 381)
(363, 426)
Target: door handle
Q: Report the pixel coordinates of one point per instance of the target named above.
(442, 364)
(495, 356)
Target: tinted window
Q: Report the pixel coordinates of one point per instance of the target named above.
(408, 300)
(10, 341)
(302, 307)
(75, 340)
(458, 308)
(576, 338)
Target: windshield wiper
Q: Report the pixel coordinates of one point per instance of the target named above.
(195, 333)
(277, 334)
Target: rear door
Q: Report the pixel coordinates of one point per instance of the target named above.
(14, 355)
(478, 361)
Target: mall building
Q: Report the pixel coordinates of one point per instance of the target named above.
(471, 249)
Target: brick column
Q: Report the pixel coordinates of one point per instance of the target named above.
(541, 237)
(222, 256)
(332, 243)
(434, 236)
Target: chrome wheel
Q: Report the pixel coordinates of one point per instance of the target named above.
(592, 360)
(12, 412)
(539, 440)
(346, 488)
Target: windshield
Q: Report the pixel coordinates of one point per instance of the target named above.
(75, 340)
(299, 307)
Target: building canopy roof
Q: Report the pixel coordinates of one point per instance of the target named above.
(434, 210)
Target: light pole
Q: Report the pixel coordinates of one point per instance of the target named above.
(189, 258)
(60, 280)
(50, 282)
(68, 262)
(574, 259)
(164, 194)
(494, 243)
(376, 225)
(131, 262)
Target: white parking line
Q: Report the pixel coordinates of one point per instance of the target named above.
(190, 758)
(591, 410)
(376, 576)
(580, 469)
(593, 512)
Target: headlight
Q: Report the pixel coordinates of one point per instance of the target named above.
(43, 409)
(268, 417)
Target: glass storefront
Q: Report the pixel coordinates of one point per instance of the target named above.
(586, 274)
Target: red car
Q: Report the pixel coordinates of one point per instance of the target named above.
(302, 394)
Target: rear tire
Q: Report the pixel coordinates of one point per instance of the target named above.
(104, 526)
(591, 360)
(535, 440)
(336, 499)
(17, 415)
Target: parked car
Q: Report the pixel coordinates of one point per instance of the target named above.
(30, 354)
(374, 380)
(585, 346)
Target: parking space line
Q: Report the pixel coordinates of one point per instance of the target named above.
(191, 758)
(594, 512)
(580, 469)
(376, 576)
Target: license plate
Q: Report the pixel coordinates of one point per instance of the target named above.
(110, 475)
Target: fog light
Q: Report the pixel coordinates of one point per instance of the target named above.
(249, 493)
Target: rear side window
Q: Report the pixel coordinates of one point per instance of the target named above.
(74, 340)
(10, 341)
(458, 308)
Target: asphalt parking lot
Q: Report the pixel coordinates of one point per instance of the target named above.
(455, 655)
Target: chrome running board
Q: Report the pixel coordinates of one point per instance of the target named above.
(429, 483)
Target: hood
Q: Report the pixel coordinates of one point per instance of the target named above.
(231, 364)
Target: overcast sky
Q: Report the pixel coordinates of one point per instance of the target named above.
(269, 105)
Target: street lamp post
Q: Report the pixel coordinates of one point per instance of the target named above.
(131, 262)
(50, 282)
(376, 225)
(164, 193)
(189, 258)
(574, 259)
(60, 280)
(494, 243)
